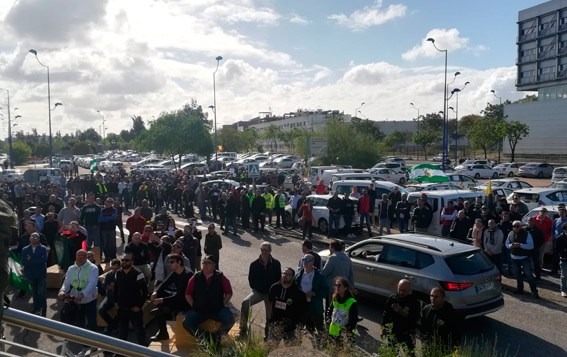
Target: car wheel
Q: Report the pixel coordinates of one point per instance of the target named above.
(287, 219)
(323, 226)
(402, 180)
(511, 174)
(477, 176)
(540, 174)
(495, 175)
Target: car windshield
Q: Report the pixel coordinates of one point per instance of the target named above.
(469, 263)
(560, 170)
(528, 197)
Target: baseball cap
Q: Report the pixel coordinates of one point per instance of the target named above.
(209, 258)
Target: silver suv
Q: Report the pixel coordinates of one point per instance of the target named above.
(470, 280)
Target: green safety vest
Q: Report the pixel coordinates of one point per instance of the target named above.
(101, 188)
(281, 200)
(340, 316)
(80, 285)
(269, 200)
(250, 198)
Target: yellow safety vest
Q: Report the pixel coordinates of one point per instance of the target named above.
(80, 284)
(339, 319)
(281, 200)
(269, 200)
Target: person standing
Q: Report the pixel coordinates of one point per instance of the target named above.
(107, 302)
(279, 207)
(476, 233)
(107, 220)
(334, 205)
(422, 217)
(383, 209)
(208, 292)
(460, 226)
(130, 293)
(539, 241)
(231, 210)
(269, 198)
(135, 223)
(34, 262)
(306, 214)
(520, 243)
(543, 222)
(342, 315)
(493, 242)
(90, 214)
(80, 284)
(364, 207)
(259, 211)
(295, 208)
(307, 248)
(69, 213)
(263, 273)
(213, 244)
(140, 255)
(561, 247)
(338, 264)
(246, 206)
(347, 210)
(557, 231)
(448, 215)
(289, 308)
(400, 316)
(403, 213)
(438, 322)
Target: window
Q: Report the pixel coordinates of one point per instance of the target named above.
(424, 260)
(559, 196)
(370, 249)
(400, 256)
(469, 263)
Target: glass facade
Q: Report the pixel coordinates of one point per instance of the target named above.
(551, 93)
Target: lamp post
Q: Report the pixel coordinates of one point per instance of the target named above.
(501, 110)
(457, 91)
(34, 52)
(443, 155)
(11, 150)
(416, 108)
(357, 109)
(102, 128)
(219, 58)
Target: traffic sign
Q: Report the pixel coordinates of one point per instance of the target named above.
(253, 170)
(317, 147)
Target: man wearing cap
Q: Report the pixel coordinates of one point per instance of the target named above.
(162, 218)
(263, 273)
(34, 262)
(208, 292)
(80, 284)
(316, 288)
(520, 243)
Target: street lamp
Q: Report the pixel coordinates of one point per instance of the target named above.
(11, 151)
(443, 156)
(102, 128)
(457, 91)
(416, 108)
(357, 109)
(34, 52)
(501, 110)
(219, 58)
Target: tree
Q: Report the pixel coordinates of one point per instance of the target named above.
(425, 138)
(272, 133)
(41, 150)
(397, 138)
(138, 126)
(230, 139)
(82, 148)
(367, 126)
(21, 151)
(515, 132)
(528, 98)
(250, 138)
(89, 135)
(486, 133)
(432, 122)
(289, 137)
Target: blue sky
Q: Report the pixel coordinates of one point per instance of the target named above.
(143, 57)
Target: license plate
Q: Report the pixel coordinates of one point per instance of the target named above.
(485, 287)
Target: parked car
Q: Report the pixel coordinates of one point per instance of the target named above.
(341, 176)
(439, 158)
(433, 187)
(223, 183)
(559, 174)
(469, 279)
(507, 170)
(513, 184)
(463, 181)
(380, 187)
(540, 196)
(388, 165)
(478, 171)
(321, 213)
(396, 159)
(392, 175)
(284, 162)
(536, 169)
(11, 175)
(558, 184)
(473, 162)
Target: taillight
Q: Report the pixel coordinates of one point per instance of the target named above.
(455, 286)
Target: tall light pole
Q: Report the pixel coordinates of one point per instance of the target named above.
(416, 108)
(34, 52)
(219, 58)
(102, 128)
(11, 152)
(501, 110)
(457, 91)
(443, 156)
(357, 109)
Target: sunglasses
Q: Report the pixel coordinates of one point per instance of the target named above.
(265, 249)
(306, 259)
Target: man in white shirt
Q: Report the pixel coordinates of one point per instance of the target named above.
(80, 284)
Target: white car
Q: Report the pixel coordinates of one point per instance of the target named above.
(540, 196)
(11, 175)
(513, 184)
(391, 175)
(433, 187)
(388, 165)
(478, 171)
(462, 181)
(559, 174)
(507, 170)
(321, 213)
(396, 159)
(222, 183)
(284, 162)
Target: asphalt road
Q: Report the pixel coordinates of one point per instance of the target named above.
(523, 327)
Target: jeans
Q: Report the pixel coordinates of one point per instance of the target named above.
(280, 215)
(537, 263)
(109, 244)
(307, 229)
(384, 222)
(293, 215)
(93, 236)
(125, 316)
(526, 265)
(87, 311)
(202, 210)
(403, 224)
(334, 222)
(445, 230)
(39, 291)
(258, 218)
(348, 224)
(252, 299)
(230, 221)
(193, 319)
(365, 216)
(105, 305)
(497, 259)
(563, 267)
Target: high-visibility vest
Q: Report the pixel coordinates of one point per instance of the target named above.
(269, 200)
(101, 188)
(281, 200)
(250, 198)
(81, 283)
(339, 319)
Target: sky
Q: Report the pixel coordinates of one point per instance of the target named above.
(116, 59)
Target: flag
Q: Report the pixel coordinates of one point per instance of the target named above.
(489, 188)
(219, 148)
(93, 166)
(16, 278)
(428, 173)
(61, 245)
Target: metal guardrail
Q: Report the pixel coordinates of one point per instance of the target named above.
(78, 335)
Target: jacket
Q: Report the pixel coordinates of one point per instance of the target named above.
(338, 264)
(83, 279)
(261, 277)
(320, 289)
(34, 262)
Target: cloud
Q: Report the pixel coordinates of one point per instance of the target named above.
(234, 13)
(369, 16)
(371, 74)
(444, 39)
(296, 19)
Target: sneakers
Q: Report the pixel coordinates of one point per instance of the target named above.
(564, 294)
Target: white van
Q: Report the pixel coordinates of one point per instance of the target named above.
(39, 175)
(438, 200)
(380, 187)
(227, 154)
(342, 176)
(327, 175)
(315, 173)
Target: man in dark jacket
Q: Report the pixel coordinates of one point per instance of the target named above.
(460, 226)
(259, 211)
(107, 220)
(539, 240)
(403, 213)
(561, 248)
(130, 292)
(421, 217)
(231, 209)
(263, 273)
(402, 311)
(438, 322)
